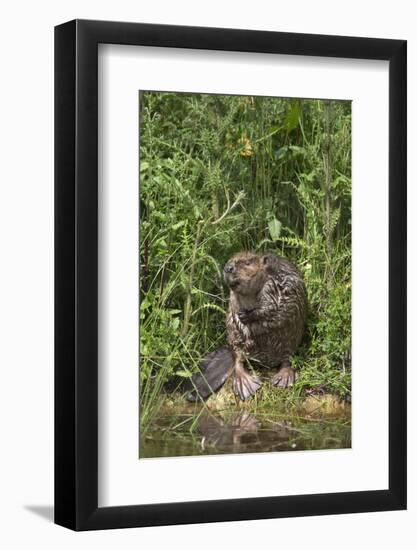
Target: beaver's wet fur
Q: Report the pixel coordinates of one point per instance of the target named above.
(265, 323)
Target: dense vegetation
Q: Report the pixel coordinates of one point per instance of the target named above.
(219, 174)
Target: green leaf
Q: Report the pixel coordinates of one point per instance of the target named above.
(183, 373)
(144, 166)
(178, 225)
(175, 323)
(161, 242)
(274, 227)
(293, 116)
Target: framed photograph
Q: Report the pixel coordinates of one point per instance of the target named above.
(230, 284)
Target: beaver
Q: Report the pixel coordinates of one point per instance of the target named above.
(265, 324)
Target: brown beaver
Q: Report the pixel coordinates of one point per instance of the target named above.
(265, 323)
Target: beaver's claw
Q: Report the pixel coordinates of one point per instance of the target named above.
(246, 316)
(245, 385)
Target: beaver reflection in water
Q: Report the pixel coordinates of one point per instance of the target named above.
(265, 323)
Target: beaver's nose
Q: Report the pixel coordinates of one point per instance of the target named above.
(229, 268)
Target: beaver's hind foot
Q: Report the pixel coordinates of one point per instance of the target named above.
(285, 377)
(244, 384)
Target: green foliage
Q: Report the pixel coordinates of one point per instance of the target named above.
(219, 174)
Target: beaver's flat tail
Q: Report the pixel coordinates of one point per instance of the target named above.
(214, 370)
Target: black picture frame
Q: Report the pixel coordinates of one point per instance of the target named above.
(76, 272)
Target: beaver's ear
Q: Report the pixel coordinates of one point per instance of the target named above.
(267, 259)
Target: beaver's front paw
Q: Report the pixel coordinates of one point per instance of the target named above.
(247, 316)
(285, 377)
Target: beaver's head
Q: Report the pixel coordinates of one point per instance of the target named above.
(245, 273)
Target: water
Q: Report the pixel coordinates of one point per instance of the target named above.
(186, 433)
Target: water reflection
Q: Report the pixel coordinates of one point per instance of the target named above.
(241, 432)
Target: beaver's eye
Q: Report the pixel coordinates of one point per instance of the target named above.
(248, 262)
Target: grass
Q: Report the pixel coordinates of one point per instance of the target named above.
(220, 174)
